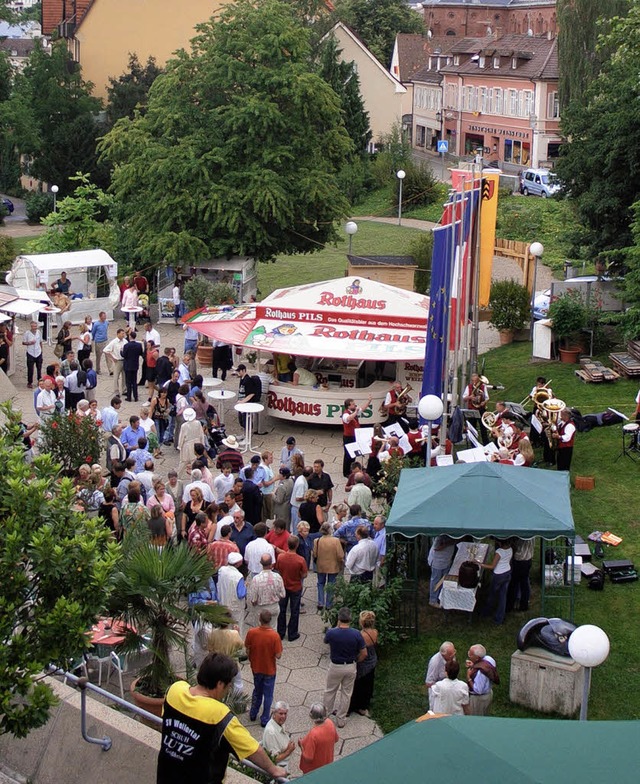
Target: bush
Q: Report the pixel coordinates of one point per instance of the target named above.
(419, 187)
(38, 206)
(7, 252)
(71, 440)
(3, 213)
(356, 179)
(510, 304)
(363, 596)
(421, 248)
(199, 291)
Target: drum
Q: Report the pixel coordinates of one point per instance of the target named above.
(632, 427)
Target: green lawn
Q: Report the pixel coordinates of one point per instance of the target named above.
(372, 239)
(612, 505)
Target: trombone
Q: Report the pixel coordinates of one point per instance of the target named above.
(539, 395)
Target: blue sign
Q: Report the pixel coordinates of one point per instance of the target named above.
(443, 145)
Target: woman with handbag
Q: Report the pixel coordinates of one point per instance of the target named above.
(63, 341)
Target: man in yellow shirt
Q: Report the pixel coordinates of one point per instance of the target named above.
(199, 731)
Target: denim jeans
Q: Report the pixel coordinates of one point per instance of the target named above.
(263, 686)
(325, 598)
(190, 345)
(498, 594)
(294, 597)
(168, 434)
(436, 576)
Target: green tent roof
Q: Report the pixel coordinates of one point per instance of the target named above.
(463, 749)
(482, 499)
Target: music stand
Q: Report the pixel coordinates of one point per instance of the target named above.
(631, 430)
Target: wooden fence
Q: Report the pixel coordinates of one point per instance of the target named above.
(519, 252)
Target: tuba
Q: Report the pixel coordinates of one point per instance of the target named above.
(552, 407)
(540, 397)
(403, 400)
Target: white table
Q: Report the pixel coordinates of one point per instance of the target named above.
(50, 310)
(133, 312)
(249, 409)
(210, 381)
(220, 395)
(452, 596)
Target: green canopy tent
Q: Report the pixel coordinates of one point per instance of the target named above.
(484, 499)
(459, 749)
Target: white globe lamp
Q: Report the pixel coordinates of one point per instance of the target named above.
(430, 408)
(588, 646)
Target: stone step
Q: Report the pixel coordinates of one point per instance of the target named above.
(8, 776)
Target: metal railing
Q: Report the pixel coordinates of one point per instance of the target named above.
(105, 742)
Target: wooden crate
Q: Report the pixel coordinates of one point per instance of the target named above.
(625, 364)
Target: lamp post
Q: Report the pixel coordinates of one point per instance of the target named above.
(400, 174)
(54, 190)
(588, 646)
(430, 408)
(536, 249)
(351, 227)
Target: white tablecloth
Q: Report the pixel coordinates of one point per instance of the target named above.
(452, 596)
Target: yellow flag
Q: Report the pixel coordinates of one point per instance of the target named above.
(488, 217)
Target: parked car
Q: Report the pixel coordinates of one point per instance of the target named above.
(8, 204)
(542, 298)
(539, 182)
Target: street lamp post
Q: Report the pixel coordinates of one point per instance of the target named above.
(430, 408)
(400, 174)
(351, 227)
(536, 249)
(588, 646)
(54, 190)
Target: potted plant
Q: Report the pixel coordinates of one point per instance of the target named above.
(510, 305)
(569, 314)
(150, 597)
(199, 292)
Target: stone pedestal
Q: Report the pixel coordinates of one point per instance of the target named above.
(544, 682)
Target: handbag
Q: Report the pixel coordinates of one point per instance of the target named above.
(58, 350)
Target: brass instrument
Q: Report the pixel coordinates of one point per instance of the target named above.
(489, 420)
(540, 397)
(551, 409)
(477, 396)
(403, 400)
(505, 441)
(535, 395)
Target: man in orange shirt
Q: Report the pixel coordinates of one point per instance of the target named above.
(319, 743)
(293, 570)
(263, 647)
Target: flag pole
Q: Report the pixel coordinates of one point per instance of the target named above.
(473, 361)
(456, 325)
(474, 244)
(445, 380)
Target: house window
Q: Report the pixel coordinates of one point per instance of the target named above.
(514, 63)
(421, 135)
(452, 96)
(496, 62)
(452, 32)
(513, 103)
(481, 61)
(483, 106)
(528, 103)
(467, 99)
(497, 100)
(553, 106)
(508, 150)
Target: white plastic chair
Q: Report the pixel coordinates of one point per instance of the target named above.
(113, 663)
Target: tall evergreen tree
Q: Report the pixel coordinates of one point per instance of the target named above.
(130, 90)
(343, 78)
(580, 23)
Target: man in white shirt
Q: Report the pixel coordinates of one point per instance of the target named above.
(190, 338)
(275, 738)
(300, 487)
(46, 400)
(257, 548)
(362, 558)
(223, 483)
(184, 376)
(147, 476)
(113, 350)
(151, 335)
(450, 695)
(436, 669)
(110, 415)
(196, 481)
(175, 296)
(33, 341)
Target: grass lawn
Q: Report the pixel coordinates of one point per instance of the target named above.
(399, 695)
(372, 239)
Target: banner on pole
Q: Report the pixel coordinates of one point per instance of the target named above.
(488, 218)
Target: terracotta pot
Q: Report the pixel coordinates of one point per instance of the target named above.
(506, 337)
(204, 355)
(151, 704)
(569, 355)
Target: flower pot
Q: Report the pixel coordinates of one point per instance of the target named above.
(204, 355)
(506, 337)
(151, 704)
(570, 355)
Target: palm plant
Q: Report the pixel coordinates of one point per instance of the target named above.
(150, 596)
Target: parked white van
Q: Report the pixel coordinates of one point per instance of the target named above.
(539, 182)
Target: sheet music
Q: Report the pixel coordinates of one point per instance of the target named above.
(353, 450)
(474, 440)
(471, 429)
(475, 455)
(364, 436)
(536, 423)
(396, 430)
(619, 413)
(442, 460)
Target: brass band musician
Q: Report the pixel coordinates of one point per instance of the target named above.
(395, 404)
(475, 397)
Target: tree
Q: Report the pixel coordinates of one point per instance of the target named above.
(343, 79)
(600, 163)
(377, 22)
(65, 116)
(580, 59)
(79, 222)
(55, 571)
(239, 148)
(130, 90)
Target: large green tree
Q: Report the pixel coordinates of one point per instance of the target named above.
(377, 22)
(580, 59)
(131, 89)
(65, 118)
(55, 571)
(600, 164)
(239, 148)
